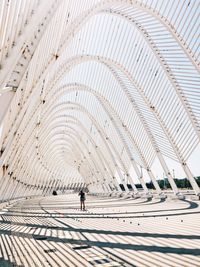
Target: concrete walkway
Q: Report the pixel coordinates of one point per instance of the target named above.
(52, 231)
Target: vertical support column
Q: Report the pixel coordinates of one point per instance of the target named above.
(107, 189)
(135, 190)
(117, 184)
(4, 187)
(155, 183)
(167, 172)
(140, 177)
(8, 189)
(191, 179)
(122, 179)
(12, 191)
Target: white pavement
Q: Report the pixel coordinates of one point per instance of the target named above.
(52, 231)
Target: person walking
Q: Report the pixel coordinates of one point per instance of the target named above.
(82, 199)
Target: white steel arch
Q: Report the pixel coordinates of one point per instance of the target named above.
(99, 88)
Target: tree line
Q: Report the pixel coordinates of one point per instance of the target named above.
(164, 184)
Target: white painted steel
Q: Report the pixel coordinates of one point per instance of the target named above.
(102, 89)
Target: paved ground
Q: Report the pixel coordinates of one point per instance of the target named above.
(52, 231)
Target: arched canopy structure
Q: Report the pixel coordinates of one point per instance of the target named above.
(93, 93)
